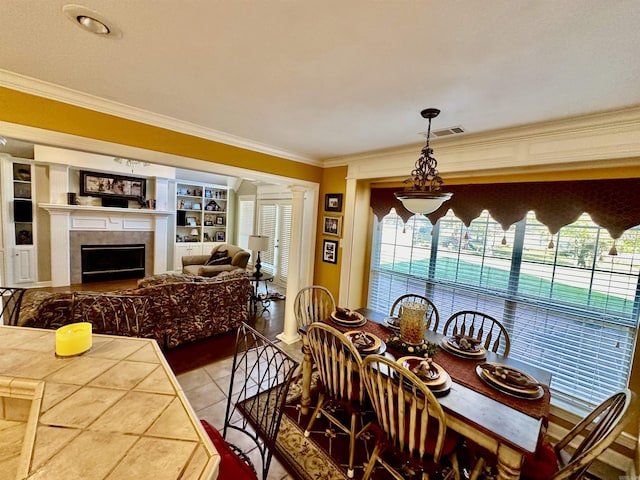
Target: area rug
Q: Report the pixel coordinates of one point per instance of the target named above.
(324, 454)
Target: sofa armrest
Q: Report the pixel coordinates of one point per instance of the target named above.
(213, 270)
(194, 259)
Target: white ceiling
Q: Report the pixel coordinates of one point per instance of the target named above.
(317, 79)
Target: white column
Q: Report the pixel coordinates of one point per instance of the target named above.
(60, 256)
(290, 333)
(161, 227)
(354, 238)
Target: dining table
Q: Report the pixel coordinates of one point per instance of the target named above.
(508, 426)
(114, 411)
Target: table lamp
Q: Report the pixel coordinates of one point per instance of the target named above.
(258, 243)
(195, 233)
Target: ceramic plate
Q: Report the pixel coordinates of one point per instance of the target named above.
(374, 342)
(410, 363)
(393, 323)
(499, 383)
(354, 318)
(451, 345)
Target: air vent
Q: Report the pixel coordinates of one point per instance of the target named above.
(445, 132)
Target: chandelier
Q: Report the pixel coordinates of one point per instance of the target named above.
(424, 195)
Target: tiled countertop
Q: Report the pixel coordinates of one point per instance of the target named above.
(114, 412)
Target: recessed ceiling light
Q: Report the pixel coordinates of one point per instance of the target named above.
(91, 21)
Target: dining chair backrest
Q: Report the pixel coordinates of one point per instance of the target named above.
(598, 431)
(261, 375)
(11, 299)
(432, 317)
(313, 304)
(337, 362)
(488, 330)
(341, 392)
(407, 411)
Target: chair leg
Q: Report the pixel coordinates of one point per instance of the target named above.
(314, 416)
(352, 444)
(372, 462)
(477, 469)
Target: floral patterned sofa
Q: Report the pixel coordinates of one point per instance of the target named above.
(171, 308)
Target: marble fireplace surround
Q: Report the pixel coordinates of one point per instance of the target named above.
(79, 238)
(76, 225)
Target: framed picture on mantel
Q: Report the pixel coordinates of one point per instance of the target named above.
(93, 184)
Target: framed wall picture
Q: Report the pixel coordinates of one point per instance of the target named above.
(220, 237)
(93, 184)
(333, 202)
(331, 226)
(330, 251)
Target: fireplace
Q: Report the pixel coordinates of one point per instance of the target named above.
(112, 262)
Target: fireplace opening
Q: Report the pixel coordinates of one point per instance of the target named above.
(112, 262)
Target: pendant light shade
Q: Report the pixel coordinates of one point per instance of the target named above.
(424, 194)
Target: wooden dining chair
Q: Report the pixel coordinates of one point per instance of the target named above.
(587, 440)
(597, 432)
(432, 317)
(488, 330)
(11, 298)
(261, 375)
(341, 391)
(313, 304)
(413, 425)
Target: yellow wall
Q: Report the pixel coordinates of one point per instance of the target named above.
(328, 274)
(30, 110)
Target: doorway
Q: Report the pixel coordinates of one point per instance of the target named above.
(274, 221)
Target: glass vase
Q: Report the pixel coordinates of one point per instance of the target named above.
(413, 322)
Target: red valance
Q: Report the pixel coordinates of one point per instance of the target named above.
(612, 204)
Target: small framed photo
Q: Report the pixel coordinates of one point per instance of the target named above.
(196, 206)
(191, 221)
(220, 237)
(330, 251)
(208, 220)
(331, 226)
(185, 205)
(333, 202)
(219, 220)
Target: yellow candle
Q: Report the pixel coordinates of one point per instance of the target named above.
(73, 339)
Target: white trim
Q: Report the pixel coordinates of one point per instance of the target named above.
(51, 91)
(613, 136)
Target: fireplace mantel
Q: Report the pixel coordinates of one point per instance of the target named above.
(55, 207)
(68, 218)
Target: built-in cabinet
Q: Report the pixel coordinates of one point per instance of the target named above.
(201, 219)
(18, 221)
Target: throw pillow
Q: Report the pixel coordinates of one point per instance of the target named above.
(218, 254)
(220, 261)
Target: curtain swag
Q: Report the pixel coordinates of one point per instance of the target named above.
(612, 204)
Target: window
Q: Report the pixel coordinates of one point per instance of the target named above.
(246, 208)
(568, 305)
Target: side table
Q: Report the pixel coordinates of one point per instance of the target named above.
(256, 296)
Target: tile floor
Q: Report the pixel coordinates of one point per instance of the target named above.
(207, 387)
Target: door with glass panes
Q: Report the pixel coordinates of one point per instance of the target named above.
(274, 221)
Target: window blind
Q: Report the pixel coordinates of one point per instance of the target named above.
(246, 210)
(568, 305)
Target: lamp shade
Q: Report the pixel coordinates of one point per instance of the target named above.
(422, 202)
(194, 231)
(258, 243)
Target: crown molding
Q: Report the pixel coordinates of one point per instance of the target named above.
(58, 93)
(612, 136)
